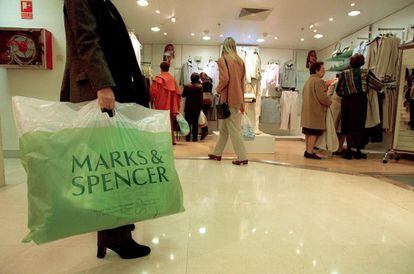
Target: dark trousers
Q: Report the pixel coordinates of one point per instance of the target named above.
(192, 120)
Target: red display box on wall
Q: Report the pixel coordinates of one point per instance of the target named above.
(24, 48)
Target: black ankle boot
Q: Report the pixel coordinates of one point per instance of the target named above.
(347, 155)
(120, 241)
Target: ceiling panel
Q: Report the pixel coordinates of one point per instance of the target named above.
(221, 17)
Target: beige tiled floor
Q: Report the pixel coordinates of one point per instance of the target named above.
(254, 219)
(291, 152)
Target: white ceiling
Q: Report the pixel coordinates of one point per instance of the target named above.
(285, 21)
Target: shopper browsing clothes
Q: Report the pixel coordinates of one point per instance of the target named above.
(314, 107)
(207, 83)
(101, 63)
(232, 73)
(352, 87)
(193, 94)
(166, 95)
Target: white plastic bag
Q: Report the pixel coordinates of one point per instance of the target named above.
(88, 172)
(202, 120)
(247, 129)
(183, 124)
(329, 140)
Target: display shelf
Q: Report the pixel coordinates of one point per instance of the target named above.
(341, 57)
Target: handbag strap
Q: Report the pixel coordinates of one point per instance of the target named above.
(228, 72)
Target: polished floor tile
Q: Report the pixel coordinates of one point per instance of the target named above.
(254, 219)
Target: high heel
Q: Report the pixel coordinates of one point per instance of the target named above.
(121, 242)
(214, 157)
(101, 252)
(240, 163)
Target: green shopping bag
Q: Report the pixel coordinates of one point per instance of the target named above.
(88, 172)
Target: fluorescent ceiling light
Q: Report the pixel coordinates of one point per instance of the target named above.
(260, 40)
(318, 36)
(142, 3)
(206, 37)
(354, 13)
(155, 29)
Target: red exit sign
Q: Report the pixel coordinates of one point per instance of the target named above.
(26, 9)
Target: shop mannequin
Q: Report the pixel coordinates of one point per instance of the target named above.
(169, 54)
(311, 59)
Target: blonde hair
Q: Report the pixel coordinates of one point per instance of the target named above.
(230, 50)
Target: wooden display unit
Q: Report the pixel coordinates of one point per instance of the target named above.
(26, 48)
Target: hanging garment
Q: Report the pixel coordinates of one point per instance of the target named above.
(371, 85)
(329, 139)
(383, 57)
(289, 109)
(212, 70)
(253, 65)
(186, 71)
(270, 80)
(270, 111)
(137, 46)
(288, 77)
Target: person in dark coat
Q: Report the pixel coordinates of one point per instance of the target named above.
(193, 104)
(101, 64)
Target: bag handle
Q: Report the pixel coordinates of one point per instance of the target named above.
(228, 72)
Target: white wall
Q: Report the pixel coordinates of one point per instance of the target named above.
(42, 84)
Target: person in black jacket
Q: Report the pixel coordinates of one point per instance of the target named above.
(101, 64)
(194, 101)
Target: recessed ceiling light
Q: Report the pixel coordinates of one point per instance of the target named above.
(302, 39)
(157, 12)
(276, 37)
(206, 37)
(352, 4)
(260, 40)
(311, 26)
(221, 35)
(318, 36)
(249, 36)
(331, 19)
(173, 19)
(192, 34)
(354, 13)
(142, 3)
(155, 29)
(315, 30)
(165, 33)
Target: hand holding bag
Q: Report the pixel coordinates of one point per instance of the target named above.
(247, 129)
(202, 120)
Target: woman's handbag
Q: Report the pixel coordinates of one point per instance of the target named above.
(223, 110)
(207, 98)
